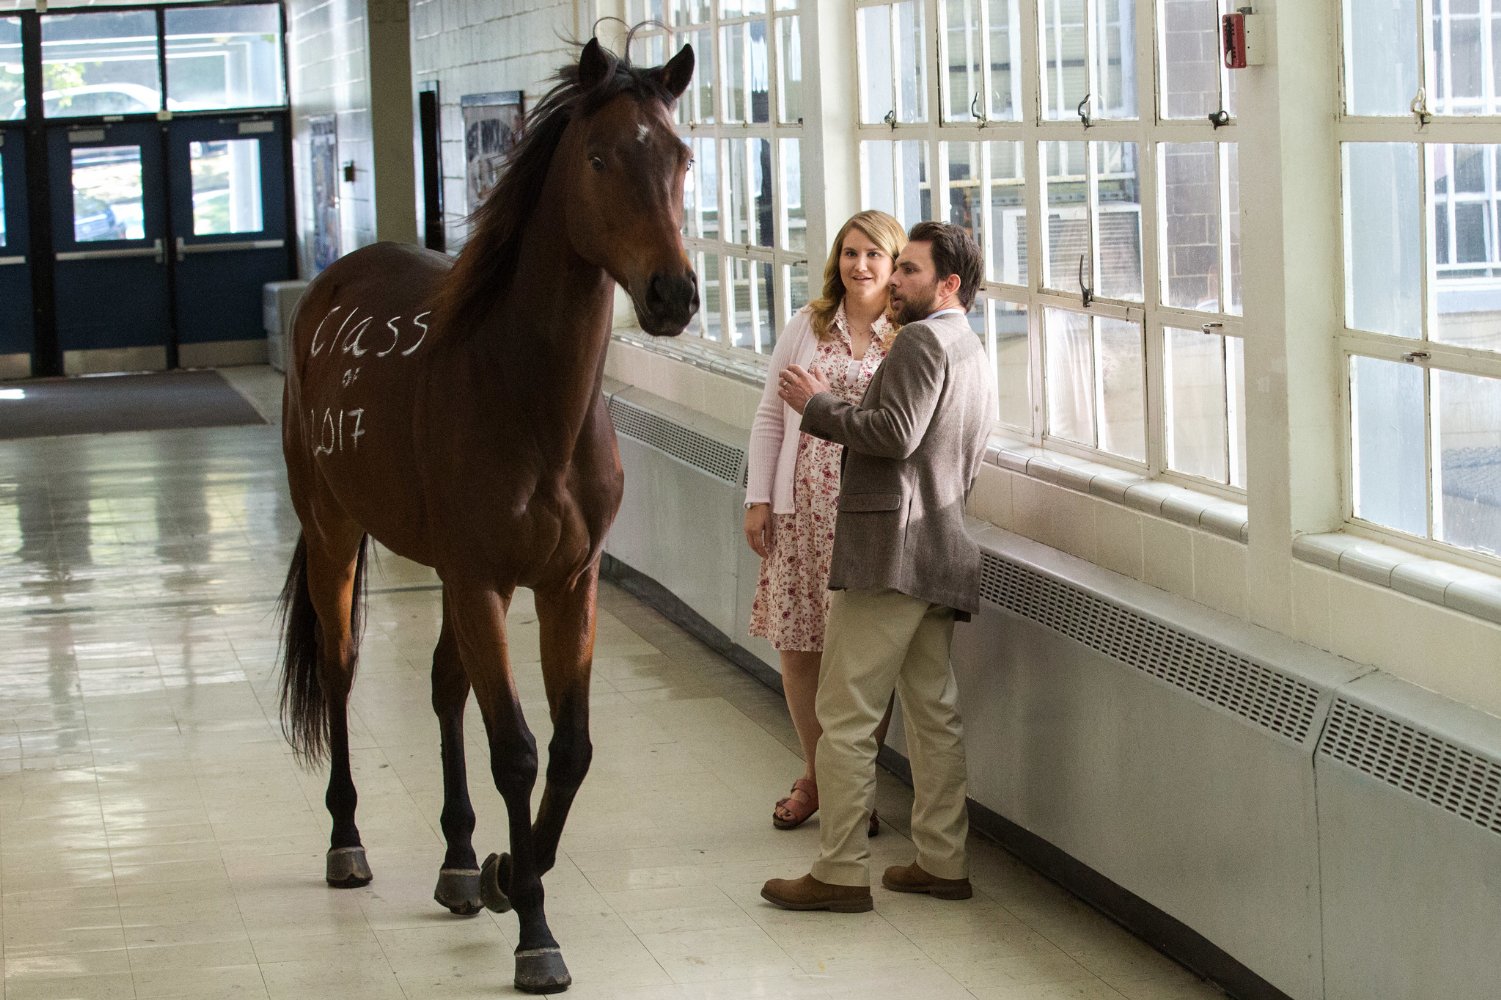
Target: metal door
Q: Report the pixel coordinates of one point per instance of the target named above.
(15, 258)
(227, 183)
(109, 219)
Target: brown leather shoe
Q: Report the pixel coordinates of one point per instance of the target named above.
(911, 878)
(808, 893)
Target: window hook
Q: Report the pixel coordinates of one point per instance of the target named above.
(978, 113)
(1083, 110)
(1419, 107)
(1085, 292)
(890, 119)
(1219, 118)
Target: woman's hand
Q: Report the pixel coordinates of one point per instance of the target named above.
(759, 528)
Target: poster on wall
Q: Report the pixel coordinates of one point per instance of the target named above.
(492, 127)
(324, 141)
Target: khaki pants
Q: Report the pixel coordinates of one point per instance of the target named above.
(877, 641)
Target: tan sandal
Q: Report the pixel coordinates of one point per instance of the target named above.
(792, 812)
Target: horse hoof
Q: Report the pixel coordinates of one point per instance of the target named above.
(541, 970)
(458, 889)
(493, 880)
(347, 868)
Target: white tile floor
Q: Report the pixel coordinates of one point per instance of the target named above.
(156, 839)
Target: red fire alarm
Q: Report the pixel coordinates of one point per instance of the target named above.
(1240, 39)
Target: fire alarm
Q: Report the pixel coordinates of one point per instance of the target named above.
(1240, 39)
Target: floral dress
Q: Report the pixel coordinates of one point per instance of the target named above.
(792, 594)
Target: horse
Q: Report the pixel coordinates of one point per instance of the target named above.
(452, 410)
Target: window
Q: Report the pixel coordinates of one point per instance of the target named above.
(101, 63)
(12, 99)
(224, 57)
(1422, 271)
(745, 223)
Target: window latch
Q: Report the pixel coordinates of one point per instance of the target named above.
(1419, 107)
(1413, 357)
(1083, 111)
(978, 113)
(1219, 118)
(890, 119)
(1085, 292)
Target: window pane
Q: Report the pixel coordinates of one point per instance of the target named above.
(698, 103)
(1115, 59)
(1383, 238)
(761, 193)
(690, 12)
(1466, 258)
(12, 98)
(1005, 90)
(100, 64)
(1386, 410)
(964, 187)
(1190, 225)
(1190, 58)
(224, 57)
(911, 63)
(1381, 56)
(1118, 194)
(1467, 511)
(701, 190)
(710, 285)
(1007, 259)
(877, 97)
(1065, 202)
(795, 217)
(1457, 64)
(760, 72)
(1230, 153)
(1013, 363)
(1122, 372)
(3, 237)
(1235, 407)
(1194, 376)
(966, 60)
(894, 179)
(226, 186)
(790, 70)
(750, 298)
(1064, 80)
(107, 194)
(733, 42)
(1069, 371)
(795, 281)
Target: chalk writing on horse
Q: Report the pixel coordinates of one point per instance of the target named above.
(452, 410)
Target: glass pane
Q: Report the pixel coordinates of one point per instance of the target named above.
(690, 12)
(1064, 79)
(1013, 364)
(877, 98)
(1007, 259)
(790, 70)
(737, 222)
(697, 104)
(1118, 195)
(100, 64)
(750, 299)
(1467, 510)
(3, 237)
(1190, 225)
(732, 46)
(1235, 407)
(795, 217)
(911, 63)
(1069, 375)
(1381, 56)
(1386, 413)
(224, 57)
(961, 83)
(894, 179)
(1066, 204)
(1005, 92)
(1123, 396)
(12, 96)
(761, 193)
(1115, 59)
(760, 73)
(964, 187)
(1190, 58)
(107, 194)
(1230, 154)
(1193, 372)
(1383, 239)
(1456, 61)
(701, 190)
(226, 186)
(797, 287)
(711, 300)
(1465, 257)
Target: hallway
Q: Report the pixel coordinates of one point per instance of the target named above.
(157, 840)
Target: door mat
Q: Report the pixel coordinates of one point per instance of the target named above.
(106, 404)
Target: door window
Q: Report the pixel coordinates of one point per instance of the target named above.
(3, 237)
(224, 57)
(226, 186)
(100, 64)
(107, 194)
(12, 99)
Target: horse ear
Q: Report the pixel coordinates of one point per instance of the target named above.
(677, 72)
(594, 65)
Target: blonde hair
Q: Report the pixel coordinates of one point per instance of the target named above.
(882, 230)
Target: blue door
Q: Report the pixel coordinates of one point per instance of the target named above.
(109, 233)
(227, 177)
(15, 258)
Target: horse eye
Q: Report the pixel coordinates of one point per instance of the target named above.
(596, 163)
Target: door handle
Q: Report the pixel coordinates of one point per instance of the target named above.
(161, 253)
(179, 249)
(4, 261)
(151, 251)
(227, 247)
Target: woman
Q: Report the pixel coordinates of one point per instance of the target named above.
(793, 478)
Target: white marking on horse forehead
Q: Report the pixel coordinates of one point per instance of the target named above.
(642, 131)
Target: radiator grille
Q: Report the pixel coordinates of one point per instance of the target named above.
(1255, 692)
(1450, 777)
(698, 450)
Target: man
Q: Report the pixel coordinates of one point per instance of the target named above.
(904, 569)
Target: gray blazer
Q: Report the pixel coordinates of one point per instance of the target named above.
(912, 451)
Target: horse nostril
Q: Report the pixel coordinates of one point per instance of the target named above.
(674, 293)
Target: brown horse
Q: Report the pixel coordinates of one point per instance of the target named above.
(454, 414)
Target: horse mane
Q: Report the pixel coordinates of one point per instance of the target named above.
(485, 266)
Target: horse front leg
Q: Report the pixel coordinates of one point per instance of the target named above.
(512, 880)
(458, 879)
(567, 618)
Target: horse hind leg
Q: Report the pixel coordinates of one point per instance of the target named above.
(459, 878)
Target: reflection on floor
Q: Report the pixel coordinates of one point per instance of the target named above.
(156, 839)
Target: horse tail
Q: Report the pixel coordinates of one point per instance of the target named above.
(304, 709)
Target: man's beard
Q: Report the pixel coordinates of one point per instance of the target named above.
(915, 306)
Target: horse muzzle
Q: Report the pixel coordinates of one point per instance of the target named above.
(671, 300)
